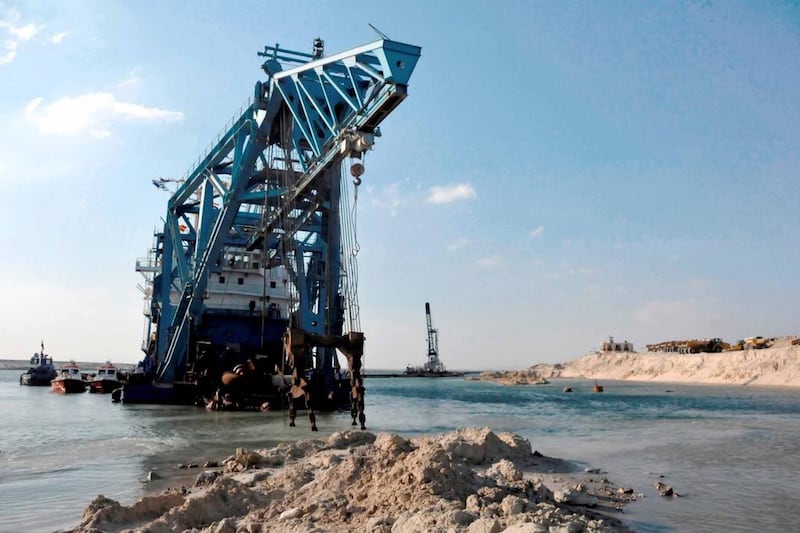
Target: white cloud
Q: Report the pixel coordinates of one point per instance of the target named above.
(460, 243)
(12, 34)
(450, 193)
(131, 81)
(490, 261)
(58, 37)
(24, 33)
(389, 198)
(536, 232)
(91, 113)
(10, 52)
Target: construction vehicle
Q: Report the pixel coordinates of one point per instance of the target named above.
(757, 343)
(714, 345)
(736, 346)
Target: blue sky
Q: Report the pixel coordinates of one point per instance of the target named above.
(560, 172)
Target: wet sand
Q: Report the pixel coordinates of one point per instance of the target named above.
(469, 480)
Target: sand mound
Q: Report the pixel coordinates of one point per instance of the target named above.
(470, 480)
(779, 365)
(526, 376)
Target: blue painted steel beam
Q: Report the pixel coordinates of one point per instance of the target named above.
(235, 185)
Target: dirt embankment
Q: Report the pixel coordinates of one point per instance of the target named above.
(471, 480)
(526, 376)
(777, 365)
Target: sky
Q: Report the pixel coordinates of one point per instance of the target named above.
(560, 172)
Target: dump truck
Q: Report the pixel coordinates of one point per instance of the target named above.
(714, 345)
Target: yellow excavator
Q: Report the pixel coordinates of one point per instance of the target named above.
(757, 343)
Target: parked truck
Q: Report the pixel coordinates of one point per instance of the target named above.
(757, 343)
(714, 345)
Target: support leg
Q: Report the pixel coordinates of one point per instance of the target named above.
(356, 390)
(311, 416)
(292, 410)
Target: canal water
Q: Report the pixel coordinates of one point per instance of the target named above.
(731, 452)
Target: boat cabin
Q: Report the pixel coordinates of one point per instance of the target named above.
(106, 372)
(41, 359)
(71, 371)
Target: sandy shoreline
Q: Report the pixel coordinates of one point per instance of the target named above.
(775, 366)
(471, 480)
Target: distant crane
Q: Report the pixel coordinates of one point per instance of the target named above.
(433, 367)
(433, 364)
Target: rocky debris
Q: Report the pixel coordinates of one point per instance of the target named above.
(104, 510)
(472, 480)
(206, 478)
(528, 376)
(665, 490)
(575, 497)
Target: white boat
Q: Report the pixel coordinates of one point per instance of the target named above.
(105, 380)
(69, 380)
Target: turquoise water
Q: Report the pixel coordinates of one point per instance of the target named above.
(733, 453)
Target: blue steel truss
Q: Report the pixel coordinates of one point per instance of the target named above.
(313, 111)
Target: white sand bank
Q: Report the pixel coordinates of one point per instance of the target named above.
(779, 365)
(472, 480)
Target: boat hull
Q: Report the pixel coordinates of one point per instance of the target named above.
(104, 386)
(431, 374)
(178, 393)
(68, 386)
(37, 380)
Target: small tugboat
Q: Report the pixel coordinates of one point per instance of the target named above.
(69, 380)
(41, 372)
(597, 387)
(105, 380)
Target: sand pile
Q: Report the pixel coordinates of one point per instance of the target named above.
(779, 365)
(472, 480)
(526, 376)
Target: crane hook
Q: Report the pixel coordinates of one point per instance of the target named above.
(357, 170)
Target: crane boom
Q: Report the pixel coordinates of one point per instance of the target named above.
(433, 341)
(265, 197)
